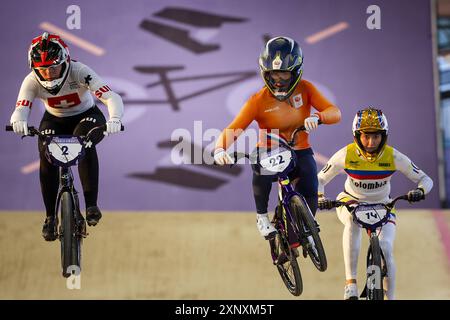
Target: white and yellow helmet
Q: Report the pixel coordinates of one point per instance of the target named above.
(370, 120)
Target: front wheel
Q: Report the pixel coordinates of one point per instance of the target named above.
(287, 265)
(374, 285)
(312, 241)
(70, 240)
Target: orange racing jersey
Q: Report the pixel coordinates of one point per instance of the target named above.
(285, 116)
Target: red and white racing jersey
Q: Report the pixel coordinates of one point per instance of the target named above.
(73, 98)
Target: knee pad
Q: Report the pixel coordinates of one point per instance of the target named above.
(85, 125)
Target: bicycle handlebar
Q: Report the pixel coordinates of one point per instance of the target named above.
(301, 128)
(348, 204)
(32, 131)
(238, 155)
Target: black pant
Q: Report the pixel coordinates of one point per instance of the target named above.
(307, 185)
(87, 167)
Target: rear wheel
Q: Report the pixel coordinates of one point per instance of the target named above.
(70, 240)
(313, 243)
(286, 263)
(374, 290)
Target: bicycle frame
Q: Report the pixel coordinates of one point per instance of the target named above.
(285, 193)
(64, 151)
(286, 189)
(372, 231)
(280, 163)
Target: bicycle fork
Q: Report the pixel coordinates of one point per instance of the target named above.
(375, 275)
(66, 185)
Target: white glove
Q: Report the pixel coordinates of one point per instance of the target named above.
(20, 127)
(222, 158)
(311, 123)
(113, 125)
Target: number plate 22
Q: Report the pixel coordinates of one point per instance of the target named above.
(277, 162)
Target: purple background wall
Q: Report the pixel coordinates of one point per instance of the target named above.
(389, 68)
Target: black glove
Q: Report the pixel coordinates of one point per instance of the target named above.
(325, 203)
(416, 195)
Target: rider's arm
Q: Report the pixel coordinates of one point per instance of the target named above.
(412, 172)
(28, 91)
(328, 113)
(237, 126)
(333, 167)
(89, 79)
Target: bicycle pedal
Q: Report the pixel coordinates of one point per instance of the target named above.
(305, 251)
(83, 230)
(82, 233)
(270, 236)
(92, 222)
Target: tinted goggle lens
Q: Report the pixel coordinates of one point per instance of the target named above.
(49, 68)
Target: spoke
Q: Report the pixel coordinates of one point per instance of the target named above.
(290, 276)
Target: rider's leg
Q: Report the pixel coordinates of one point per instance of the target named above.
(387, 237)
(262, 184)
(48, 176)
(88, 170)
(48, 173)
(351, 240)
(307, 174)
(88, 167)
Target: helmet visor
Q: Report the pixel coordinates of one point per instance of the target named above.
(280, 80)
(50, 73)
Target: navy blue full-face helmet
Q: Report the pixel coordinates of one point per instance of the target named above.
(281, 54)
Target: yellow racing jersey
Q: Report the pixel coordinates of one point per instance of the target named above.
(370, 181)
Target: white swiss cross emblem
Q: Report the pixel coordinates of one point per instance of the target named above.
(64, 104)
(298, 101)
(66, 101)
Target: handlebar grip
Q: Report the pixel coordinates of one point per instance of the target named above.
(10, 128)
(103, 127)
(336, 203)
(302, 127)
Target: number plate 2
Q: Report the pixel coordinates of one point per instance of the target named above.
(64, 150)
